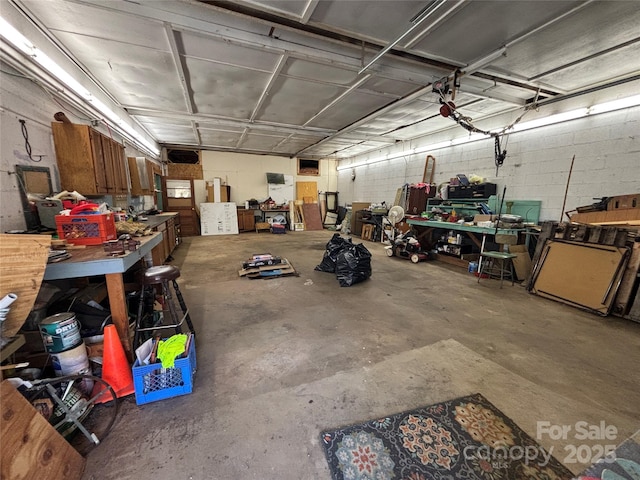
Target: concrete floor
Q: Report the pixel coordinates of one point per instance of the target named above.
(281, 359)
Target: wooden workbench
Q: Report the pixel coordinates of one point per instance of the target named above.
(93, 260)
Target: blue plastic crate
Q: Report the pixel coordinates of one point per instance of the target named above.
(153, 383)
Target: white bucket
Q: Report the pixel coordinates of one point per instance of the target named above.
(73, 362)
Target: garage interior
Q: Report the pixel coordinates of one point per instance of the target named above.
(537, 99)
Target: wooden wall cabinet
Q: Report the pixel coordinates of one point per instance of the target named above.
(89, 162)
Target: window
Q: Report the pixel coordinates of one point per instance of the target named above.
(308, 167)
(184, 156)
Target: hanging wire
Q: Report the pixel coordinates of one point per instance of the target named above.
(500, 151)
(499, 154)
(27, 145)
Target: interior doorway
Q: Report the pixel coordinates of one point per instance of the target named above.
(178, 196)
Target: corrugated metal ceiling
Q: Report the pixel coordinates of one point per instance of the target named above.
(283, 77)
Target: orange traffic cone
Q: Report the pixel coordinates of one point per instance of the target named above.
(115, 367)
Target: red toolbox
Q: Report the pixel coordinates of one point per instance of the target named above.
(86, 229)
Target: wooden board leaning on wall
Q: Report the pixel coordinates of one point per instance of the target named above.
(23, 259)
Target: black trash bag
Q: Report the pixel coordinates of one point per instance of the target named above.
(333, 248)
(353, 265)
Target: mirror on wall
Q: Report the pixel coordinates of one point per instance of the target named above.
(35, 184)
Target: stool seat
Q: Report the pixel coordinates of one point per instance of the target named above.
(156, 275)
(498, 255)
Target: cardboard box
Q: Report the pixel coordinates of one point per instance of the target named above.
(484, 218)
(522, 262)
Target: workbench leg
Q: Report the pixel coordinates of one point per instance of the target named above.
(118, 307)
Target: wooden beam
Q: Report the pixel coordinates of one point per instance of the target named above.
(118, 307)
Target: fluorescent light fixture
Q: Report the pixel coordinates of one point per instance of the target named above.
(550, 120)
(27, 47)
(619, 104)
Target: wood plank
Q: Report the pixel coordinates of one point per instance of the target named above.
(312, 219)
(547, 232)
(451, 260)
(24, 259)
(118, 308)
(623, 300)
(631, 214)
(31, 448)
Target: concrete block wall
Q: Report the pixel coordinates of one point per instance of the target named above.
(607, 162)
(22, 99)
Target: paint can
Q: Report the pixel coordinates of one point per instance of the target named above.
(60, 332)
(73, 362)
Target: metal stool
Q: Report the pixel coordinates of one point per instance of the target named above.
(161, 276)
(497, 263)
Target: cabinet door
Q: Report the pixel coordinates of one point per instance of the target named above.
(249, 220)
(240, 215)
(152, 180)
(98, 162)
(114, 166)
(171, 234)
(117, 153)
(76, 156)
(136, 186)
(109, 164)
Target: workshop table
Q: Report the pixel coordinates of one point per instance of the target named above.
(92, 261)
(469, 230)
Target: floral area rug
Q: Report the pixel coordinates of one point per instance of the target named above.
(623, 464)
(466, 438)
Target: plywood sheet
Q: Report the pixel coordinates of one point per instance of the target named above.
(355, 207)
(311, 214)
(23, 259)
(31, 448)
(185, 170)
(308, 190)
(580, 274)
